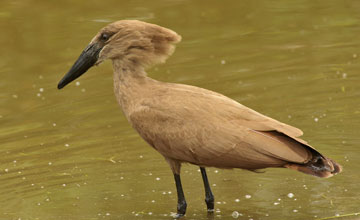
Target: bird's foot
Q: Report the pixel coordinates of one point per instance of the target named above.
(210, 201)
(178, 215)
(210, 211)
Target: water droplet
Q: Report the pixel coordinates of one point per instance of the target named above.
(41, 90)
(295, 210)
(316, 119)
(157, 178)
(77, 83)
(237, 200)
(247, 196)
(290, 195)
(235, 214)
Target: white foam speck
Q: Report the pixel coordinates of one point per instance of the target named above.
(237, 200)
(316, 119)
(157, 178)
(247, 196)
(235, 214)
(295, 210)
(290, 195)
(223, 62)
(41, 90)
(77, 83)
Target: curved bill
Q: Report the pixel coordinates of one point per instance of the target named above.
(86, 60)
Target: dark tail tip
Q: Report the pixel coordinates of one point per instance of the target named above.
(319, 166)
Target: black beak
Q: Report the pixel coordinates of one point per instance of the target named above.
(86, 60)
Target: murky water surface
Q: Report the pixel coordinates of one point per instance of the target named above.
(71, 154)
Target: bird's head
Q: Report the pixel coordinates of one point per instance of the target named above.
(129, 41)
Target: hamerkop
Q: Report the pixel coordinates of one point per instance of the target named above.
(188, 124)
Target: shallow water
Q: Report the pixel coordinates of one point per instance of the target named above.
(71, 154)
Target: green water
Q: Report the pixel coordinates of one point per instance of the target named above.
(71, 154)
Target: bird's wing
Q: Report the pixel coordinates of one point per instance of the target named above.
(213, 130)
(214, 142)
(230, 108)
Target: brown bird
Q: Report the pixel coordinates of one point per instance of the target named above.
(188, 124)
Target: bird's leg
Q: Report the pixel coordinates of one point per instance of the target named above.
(181, 206)
(209, 197)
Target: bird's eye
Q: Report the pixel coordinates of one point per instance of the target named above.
(104, 37)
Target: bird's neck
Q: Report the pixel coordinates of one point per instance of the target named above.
(129, 83)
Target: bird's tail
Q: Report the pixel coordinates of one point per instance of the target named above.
(319, 166)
